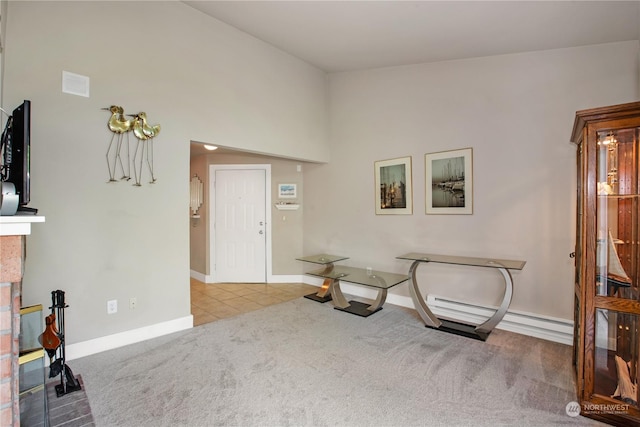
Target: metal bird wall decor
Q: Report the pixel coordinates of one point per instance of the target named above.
(119, 126)
(144, 133)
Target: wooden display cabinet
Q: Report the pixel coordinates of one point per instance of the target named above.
(607, 256)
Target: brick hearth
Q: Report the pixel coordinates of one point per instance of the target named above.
(11, 269)
(13, 232)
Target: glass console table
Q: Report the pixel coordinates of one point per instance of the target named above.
(324, 294)
(379, 280)
(481, 331)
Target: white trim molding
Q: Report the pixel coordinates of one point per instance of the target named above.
(200, 276)
(109, 342)
(543, 327)
(283, 278)
(280, 278)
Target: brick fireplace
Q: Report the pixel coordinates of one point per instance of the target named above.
(13, 232)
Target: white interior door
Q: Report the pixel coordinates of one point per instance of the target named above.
(240, 225)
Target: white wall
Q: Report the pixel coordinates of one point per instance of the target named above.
(205, 81)
(516, 112)
(201, 80)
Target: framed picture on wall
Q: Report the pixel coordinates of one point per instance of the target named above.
(287, 191)
(393, 187)
(449, 182)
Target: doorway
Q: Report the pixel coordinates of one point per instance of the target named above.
(240, 228)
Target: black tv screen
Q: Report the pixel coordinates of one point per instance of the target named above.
(16, 141)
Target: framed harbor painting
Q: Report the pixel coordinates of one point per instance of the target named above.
(393, 187)
(449, 182)
(287, 191)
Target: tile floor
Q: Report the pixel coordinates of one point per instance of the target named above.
(214, 301)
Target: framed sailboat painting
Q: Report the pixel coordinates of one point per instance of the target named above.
(394, 193)
(449, 182)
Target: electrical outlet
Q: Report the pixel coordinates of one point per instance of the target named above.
(112, 306)
(133, 303)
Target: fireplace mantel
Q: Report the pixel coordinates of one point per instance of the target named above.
(18, 225)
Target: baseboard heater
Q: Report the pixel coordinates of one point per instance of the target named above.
(548, 328)
(534, 325)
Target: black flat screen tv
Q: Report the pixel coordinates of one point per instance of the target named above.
(16, 143)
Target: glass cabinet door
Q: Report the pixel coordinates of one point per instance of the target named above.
(617, 264)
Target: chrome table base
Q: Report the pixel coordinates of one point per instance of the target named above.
(480, 332)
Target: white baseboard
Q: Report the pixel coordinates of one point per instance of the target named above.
(199, 276)
(544, 327)
(530, 324)
(109, 342)
(281, 278)
(284, 278)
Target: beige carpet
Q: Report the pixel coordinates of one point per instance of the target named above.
(301, 363)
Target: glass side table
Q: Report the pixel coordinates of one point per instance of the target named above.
(480, 332)
(324, 294)
(379, 280)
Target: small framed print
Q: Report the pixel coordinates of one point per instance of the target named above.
(393, 187)
(449, 182)
(287, 191)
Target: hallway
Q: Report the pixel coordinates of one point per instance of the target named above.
(215, 301)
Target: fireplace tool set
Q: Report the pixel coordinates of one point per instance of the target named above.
(52, 340)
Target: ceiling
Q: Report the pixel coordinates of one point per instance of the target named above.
(340, 36)
(197, 149)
